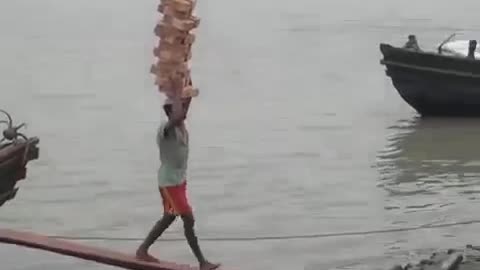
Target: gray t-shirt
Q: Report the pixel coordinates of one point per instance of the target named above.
(173, 156)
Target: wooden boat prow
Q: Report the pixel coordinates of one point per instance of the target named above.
(16, 151)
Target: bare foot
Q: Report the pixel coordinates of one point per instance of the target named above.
(144, 256)
(209, 266)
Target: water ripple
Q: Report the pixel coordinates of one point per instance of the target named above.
(430, 157)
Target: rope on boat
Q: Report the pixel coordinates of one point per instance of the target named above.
(278, 237)
(12, 134)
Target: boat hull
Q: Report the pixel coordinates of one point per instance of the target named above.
(16, 151)
(434, 85)
(13, 167)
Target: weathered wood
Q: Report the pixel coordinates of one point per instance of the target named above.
(15, 153)
(7, 196)
(12, 155)
(8, 182)
(10, 150)
(10, 164)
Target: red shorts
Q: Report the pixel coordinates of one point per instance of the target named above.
(175, 201)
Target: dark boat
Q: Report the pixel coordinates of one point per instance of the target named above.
(16, 150)
(438, 83)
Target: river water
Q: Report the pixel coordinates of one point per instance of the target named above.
(297, 132)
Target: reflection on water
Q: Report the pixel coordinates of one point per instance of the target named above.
(431, 157)
(430, 174)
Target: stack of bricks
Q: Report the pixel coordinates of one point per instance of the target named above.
(174, 49)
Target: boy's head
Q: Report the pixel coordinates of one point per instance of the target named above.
(168, 107)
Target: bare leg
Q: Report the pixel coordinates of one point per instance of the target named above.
(188, 225)
(155, 233)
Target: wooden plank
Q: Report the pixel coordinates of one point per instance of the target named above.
(99, 255)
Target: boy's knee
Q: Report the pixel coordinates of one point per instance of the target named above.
(169, 217)
(188, 221)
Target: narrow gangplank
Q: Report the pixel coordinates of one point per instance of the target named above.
(99, 255)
